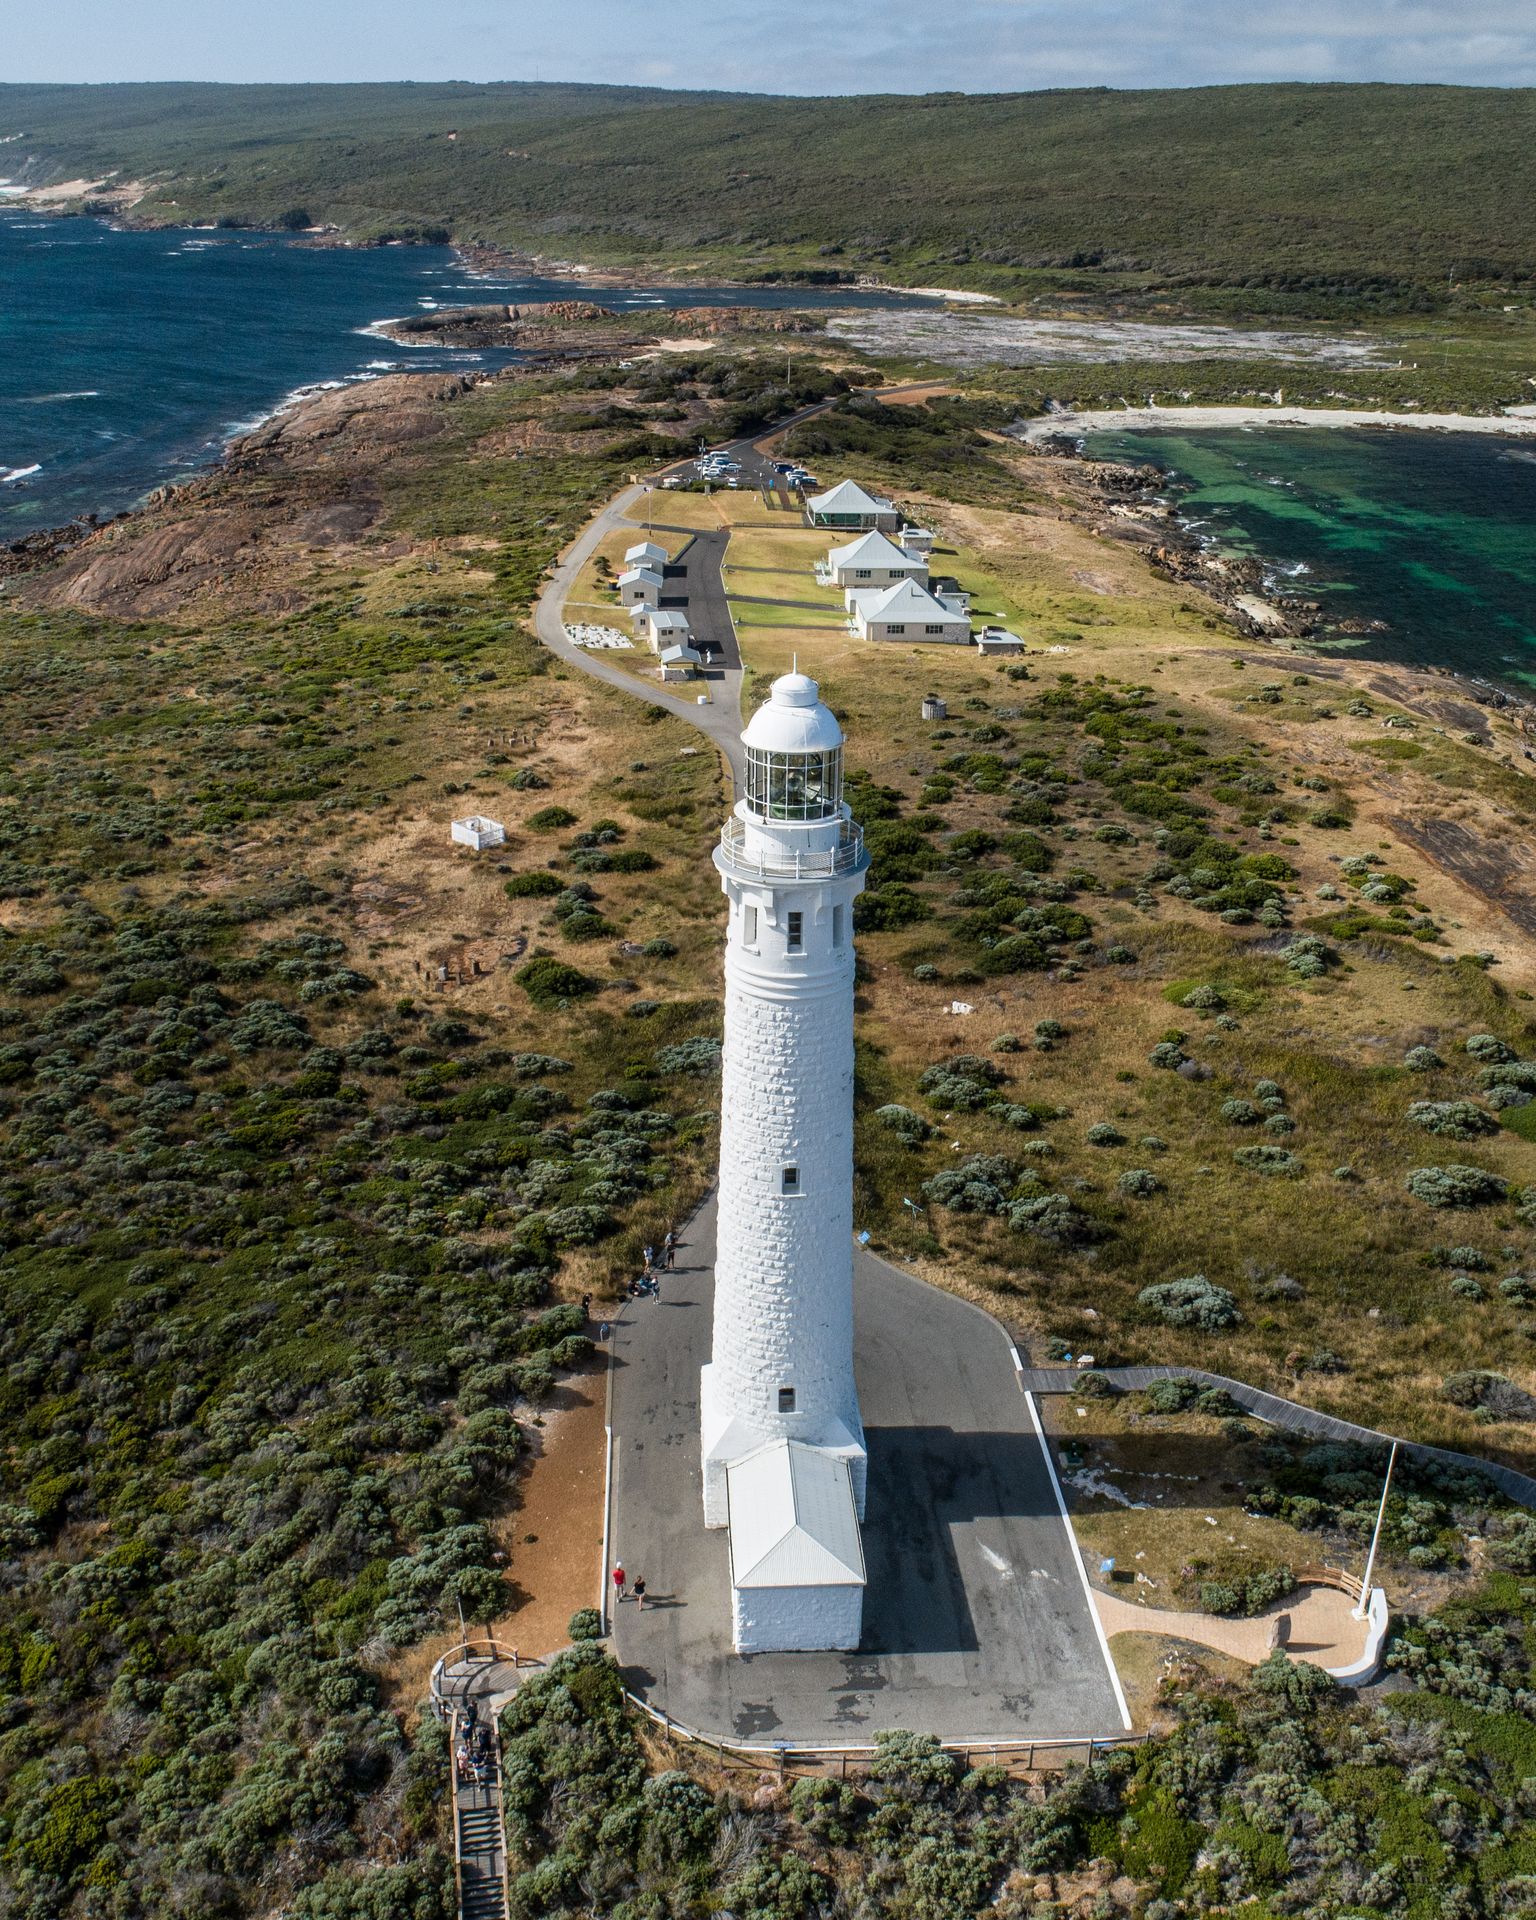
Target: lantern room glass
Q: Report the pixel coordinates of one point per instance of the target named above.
(795, 786)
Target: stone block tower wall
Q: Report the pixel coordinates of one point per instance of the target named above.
(782, 1355)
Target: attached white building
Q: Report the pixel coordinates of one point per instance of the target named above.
(797, 1563)
(848, 505)
(998, 640)
(871, 561)
(647, 554)
(640, 587)
(918, 541)
(663, 627)
(907, 612)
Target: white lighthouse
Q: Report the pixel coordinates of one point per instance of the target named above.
(783, 1444)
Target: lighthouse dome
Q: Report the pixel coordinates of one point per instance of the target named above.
(793, 719)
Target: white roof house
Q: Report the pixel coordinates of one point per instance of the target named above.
(665, 626)
(907, 612)
(640, 587)
(646, 554)
(848, 505)
(797, 1563)
(873, 561)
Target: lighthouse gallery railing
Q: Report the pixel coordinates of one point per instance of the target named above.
(846, 857)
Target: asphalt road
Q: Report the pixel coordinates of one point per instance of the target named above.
(977, 1623)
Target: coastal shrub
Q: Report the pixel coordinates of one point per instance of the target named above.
(965, 1083)
(1248, 1594)
(1170, 1396)
(1454, 1119)
(1307, 956)
(909, 1127)
(1007, 1043)
(528, 1066)
(1167, 1054)
(1465, 1287)
(1277, 1162)
(700, 1055)
(1203, 1000)
(550, 820)
(1051, 1030)
(978, 1185)
(1491, 1393)
(1296, 1685)
(1269, 1095)
(1191, 1302)
(1455, 1186)
(1519, 1289)
(1052, 1218)
(538, 883)
(884, 909)
(1240, 1113)
(586, 1623)
(659, 949)
(1489, 1049)
(1139, 1182)
(1422, 1060)
(1102, 1134)
(1279, 1123)
(550, 983)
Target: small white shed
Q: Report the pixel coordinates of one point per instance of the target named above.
(479, 831)
(646, 554)
(679, 662)
(797, 1562)
(918, 541)
(640, 587)
(998, 640)
(664, 627)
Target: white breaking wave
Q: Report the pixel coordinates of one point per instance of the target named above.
(10, 475)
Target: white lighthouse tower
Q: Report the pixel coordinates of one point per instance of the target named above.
(783, 1444)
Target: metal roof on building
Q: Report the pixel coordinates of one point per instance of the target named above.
(847, 497)
(905, 601)
(872, 549)
(793, 1522)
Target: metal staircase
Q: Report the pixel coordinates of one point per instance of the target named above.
(479, 1839)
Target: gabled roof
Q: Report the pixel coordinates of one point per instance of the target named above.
(793, 1519)
(847, 497)
(679, 656)
(641, 576)
(872, 549)
(905, 601)
(646, 553)
(664, 619)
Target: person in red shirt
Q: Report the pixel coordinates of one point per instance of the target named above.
(618, 1581)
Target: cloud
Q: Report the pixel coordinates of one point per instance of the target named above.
(787, 46)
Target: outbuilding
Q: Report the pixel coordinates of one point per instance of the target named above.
(663, 627)
(871, 561)
(907, 612)
(646, 554)
(679, 662)
(998, 640)
(640, 587)
(479, 831)
(848, 505)
(797, 1563)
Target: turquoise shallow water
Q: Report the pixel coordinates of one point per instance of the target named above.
(127, 358)
(1434, 533)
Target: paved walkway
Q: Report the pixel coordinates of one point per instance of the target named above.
(978, 1623)
(1324, 1629)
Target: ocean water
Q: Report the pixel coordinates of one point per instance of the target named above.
(1435, 533)
(127, 359)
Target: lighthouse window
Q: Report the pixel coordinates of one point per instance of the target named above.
(749, 925)
(790, 1180)
(796, 932)
(794, 786)
(786, 1399)
(837, 926)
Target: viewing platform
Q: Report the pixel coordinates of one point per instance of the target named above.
(848, 856)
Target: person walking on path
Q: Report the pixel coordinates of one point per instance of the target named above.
(650, 1258)
(619, 1578)
(669, 1249)
(639, 1592)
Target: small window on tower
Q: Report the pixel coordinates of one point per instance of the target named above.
(749, 926)
(786, 1399)
(796, 939)
(789, 1181)
(837, 926)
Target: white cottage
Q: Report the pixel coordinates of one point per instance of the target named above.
(907, 612)
(848, 505)
(797, 1563)
(872, 561)
(646, 554)
(663, 627)
(640, 587)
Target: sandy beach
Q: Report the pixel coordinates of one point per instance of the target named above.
(1520, 421)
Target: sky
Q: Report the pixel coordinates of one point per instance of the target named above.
(779, 46)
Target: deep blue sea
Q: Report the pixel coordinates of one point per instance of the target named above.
(1434, 533)
(129, 358)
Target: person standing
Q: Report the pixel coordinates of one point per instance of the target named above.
(669, 1249)
(650, 1258)
(639, 1592)
(619, 1578)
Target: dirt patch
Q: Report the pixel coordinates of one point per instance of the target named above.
(553, 1534)
(1500, 871)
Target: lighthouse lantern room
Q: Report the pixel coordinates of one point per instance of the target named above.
(783, 1444)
